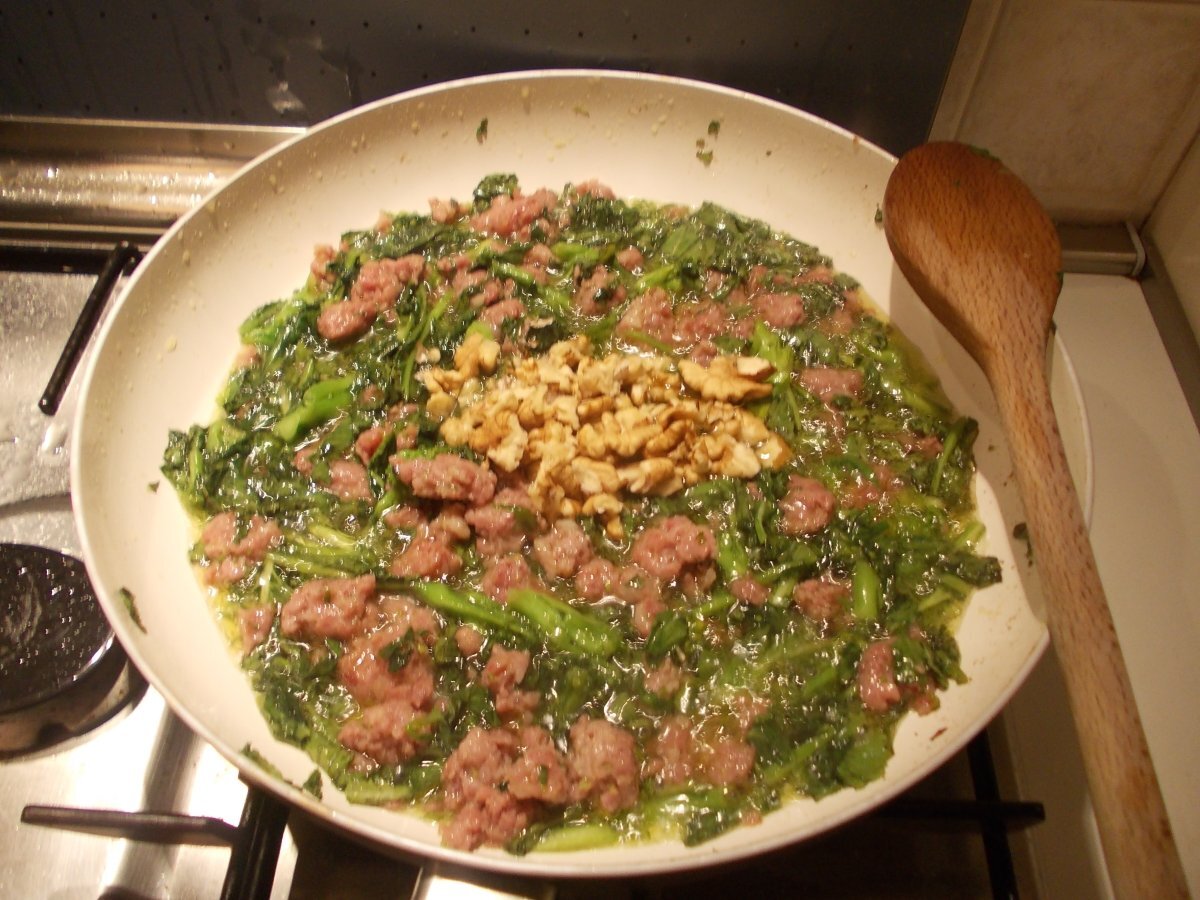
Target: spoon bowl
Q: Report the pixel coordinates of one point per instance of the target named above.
(956, 220)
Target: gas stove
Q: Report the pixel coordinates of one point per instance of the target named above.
(103, 791)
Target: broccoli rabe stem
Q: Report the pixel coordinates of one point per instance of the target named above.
(732, 559)
(718, 603)
(707, 813)
(911, 398)
(371, 792)
(468, 606)
(865, 592)
(307, 566)
(325, 551)
(321, 402)
(564, 627)
(949, 445)
(790, 650)
(781, 593)
(669, 631)
(659, 277)
(969, 536)
(583, 255)
(949, 587)
(577, 836)
(791, 767)
(482, 328)
(555, 622)
(519, 275)
(414, 338)
(266, 576)
(640, 337)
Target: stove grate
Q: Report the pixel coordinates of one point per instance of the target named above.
(256, 841)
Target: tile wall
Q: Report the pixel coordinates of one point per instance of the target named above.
(1096, 104)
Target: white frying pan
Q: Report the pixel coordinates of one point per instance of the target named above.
(169, 343)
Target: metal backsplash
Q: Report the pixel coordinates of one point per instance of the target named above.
(874, 68)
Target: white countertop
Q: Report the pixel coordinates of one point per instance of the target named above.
(1145, 529)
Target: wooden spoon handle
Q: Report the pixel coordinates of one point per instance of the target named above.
(1136, 835)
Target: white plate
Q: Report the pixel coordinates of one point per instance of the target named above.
(168, 345)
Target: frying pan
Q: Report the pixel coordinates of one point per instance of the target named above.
(169, 343)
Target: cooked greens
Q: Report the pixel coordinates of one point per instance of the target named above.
(540, 662)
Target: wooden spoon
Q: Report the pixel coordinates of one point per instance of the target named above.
(981, 252)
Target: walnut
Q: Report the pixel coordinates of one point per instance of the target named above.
(737, 461)
(774, 452)
(670, 437)
(595, 477)
(596, 378)
(603, 505)
(532, 408)
(650, 476)
(594, 407)
(591, 441)
(476, 355)
(564, 410)
(509, 451)
(628, 430)
(751, 429)
(753, 367)
(441, 381)
(440, 405)
(722, 380)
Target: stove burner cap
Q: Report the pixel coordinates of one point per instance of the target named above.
(52, 630)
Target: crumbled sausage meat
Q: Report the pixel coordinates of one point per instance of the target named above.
(327, 607)
(604, 760)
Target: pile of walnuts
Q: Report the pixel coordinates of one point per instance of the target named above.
(583, 431)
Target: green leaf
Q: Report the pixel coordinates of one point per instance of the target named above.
(866, 759)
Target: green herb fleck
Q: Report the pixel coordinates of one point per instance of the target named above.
(130, 604)
(312, 784)
(481, 131)
(878, 214)
(398, 652)
(705, 156)
(153, 486)
(714, 127)
(262, 762)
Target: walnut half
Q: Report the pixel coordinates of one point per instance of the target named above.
(728, 379)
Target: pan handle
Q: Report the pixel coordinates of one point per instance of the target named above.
(445, 881)
(122, 254)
